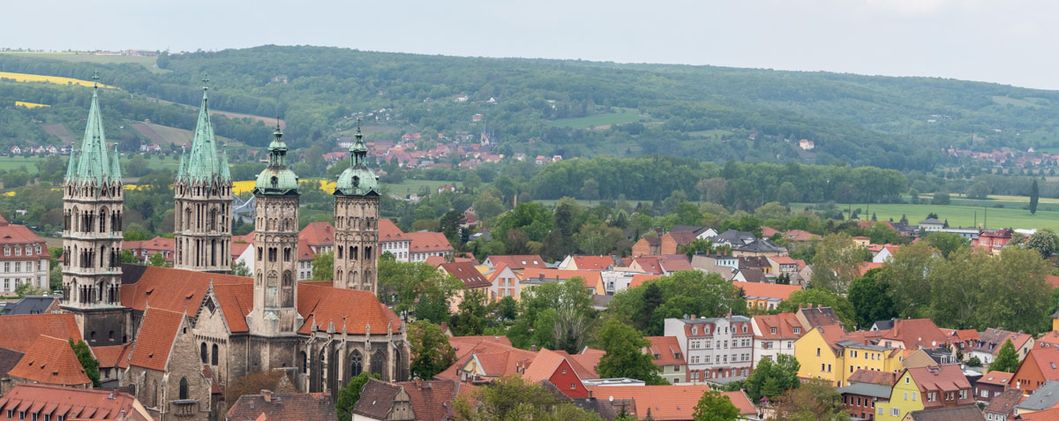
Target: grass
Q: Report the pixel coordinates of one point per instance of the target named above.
(148, 63)
(29, 163)
(409, 186)
(962, 215)
(597, 121)
(166, 135)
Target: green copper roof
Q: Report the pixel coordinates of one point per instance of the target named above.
(276, 179)
(92, 163)
(357, 180)
(203, 163)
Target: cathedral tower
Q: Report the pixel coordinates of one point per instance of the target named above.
(276, 246)
(203, 197)
(356, 222)
(92, 206)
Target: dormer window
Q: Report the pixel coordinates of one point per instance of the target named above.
(797, 330)
(772, 330)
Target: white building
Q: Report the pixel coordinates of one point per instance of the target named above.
(25, 258)
(774, 335)
(392, 240)
(718, 350)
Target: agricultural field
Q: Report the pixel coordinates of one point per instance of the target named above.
(57, 80)
(27, 163)
(30, 105)
(598, 121)
(166, 135)
(961, 215)
(410, 186)
(148, 63)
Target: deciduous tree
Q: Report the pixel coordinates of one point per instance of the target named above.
(1007, 359)
(624, 353)
(836, 263)
(713, 406)
(430, 348)
(350, 394)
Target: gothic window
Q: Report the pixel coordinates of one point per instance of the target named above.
(352, 281)
(367, 253)
(340, 252)
(378, 364)
(356, 363)
(212, 222)
(260, 255)
(103, 220)
(338, 276)
(288, 289)
(367, 278)
(272, 290)
(353, 253)
(187, 218)
(303, 362)
(202, 352)
(215, 355)
(286, 254)
(183, 393)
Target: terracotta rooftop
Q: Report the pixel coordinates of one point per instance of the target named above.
(20, 332)
(318, 234)
(592, 279)
(158, 243)
(873, 377)
(762, 290)
(640, 278)
(155, 339)
(427, 241)
(917, 333)
(664, 350)
(670, 402)
(283, 407)
(73, 403)
(1005, 403)
(19, 234)
(674, 263)
(51, 360)
(468, 273)
(947, 378)
(1045, 415)
(649, 264)
(324, 307)
(113, 355)
(783, 323)
(171, 289)
(517, 262)
(544, 364)
(593, 262)
(1000, 378)
(388, 231)
(432, 400)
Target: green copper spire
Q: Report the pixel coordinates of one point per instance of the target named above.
(203, 163)
(276, 179)
(91, 162)
(358, 179)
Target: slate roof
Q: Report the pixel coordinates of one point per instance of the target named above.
(760, 246)
(283, 407)
(376, 399)
(819, 316)
(951, 413)
(752, 275)
(8, 359)
(866, 389)
(1044, 397)
(51, 360)
(754, 262)
(734, 237)
(30, 304)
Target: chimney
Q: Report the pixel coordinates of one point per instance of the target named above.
(266, 395)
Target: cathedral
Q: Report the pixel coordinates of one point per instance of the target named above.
(175, 337)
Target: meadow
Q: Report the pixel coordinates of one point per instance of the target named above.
(601, 121)
(960, 215)
(148, 63)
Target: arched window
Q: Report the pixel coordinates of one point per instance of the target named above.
(203, 353)
(215, 355)
(356, 363)
(303, 362)
(183, 388)
(378, 364)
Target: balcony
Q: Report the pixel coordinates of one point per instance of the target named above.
(184, 407)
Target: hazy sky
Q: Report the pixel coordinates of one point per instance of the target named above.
(1007, 41)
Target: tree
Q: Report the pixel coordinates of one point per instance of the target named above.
(813, 400)
(239, 268)
(713, 406)
(871, 300)
(416, 287)
(88, 362)
(624, 353)
(600, 239)
(554, 315)
(771, 379)
(946, 242)
(26, 288)
(469, 319)
(682, 293)
(1035, 197)
(956, 287)
(513, 399)
(350, 394)
(816, 297)
(1007, 359)
(156, 259)
(487, 205)
(940, 198)
(431, 350)
(1045, 241)
(1015, 296)
(323, 266)
(906, 275)
(836, 263)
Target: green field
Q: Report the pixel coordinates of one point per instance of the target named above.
(961, 215)
(597, 121)
(29, 163)
(147, 62)
(410, 186)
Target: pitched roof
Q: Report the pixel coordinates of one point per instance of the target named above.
(468, 273)
(283, 407)
(948, 378)
(592, 279)
(158, 243)
(320, 233)
(1046, 396)
(742, 402)
(917, 333)
(819, 316)
(155, 339)
(949, 413)
(873, 377)
(991, 340)
(1045, 415)
(426, 241)
(388, 231)
(670, 402)
(432, 400)
(584, 363)
(30, 304)
(674, 263)
(376, 399)
(171, 289)
(760, 246)
(648, 264)
(51, 360)
(20, 332)
(1006, 402)
(664, 350)
(783, 260)
(323, 306)
(593, 262)
(544, 365)
(113, 355)
(8, 360)
(75, 403)
(1047, 360)
(640, 278)
(1000, 378)
(517, 262)
(784, 323)
(800, 235)
(866, 389)
(681, 237)
(767, 290)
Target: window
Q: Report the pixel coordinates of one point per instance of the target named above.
(818, 352)
(214, 356)
(894, 412)
(183, 392)
(772, 330)
(963, 394)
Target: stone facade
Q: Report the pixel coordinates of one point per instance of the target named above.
(179, 392)
(356, 223)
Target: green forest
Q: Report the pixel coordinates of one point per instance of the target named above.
(567, 107)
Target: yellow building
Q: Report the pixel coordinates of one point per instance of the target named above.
(827, 353)
(925, 387)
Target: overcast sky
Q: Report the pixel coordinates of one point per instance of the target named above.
(1007, 41)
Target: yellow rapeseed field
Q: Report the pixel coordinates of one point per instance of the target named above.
(30, 105)
(58, 80)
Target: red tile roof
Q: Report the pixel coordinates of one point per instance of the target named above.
(916, 333)
(175, 289)
(388, 231)
(592, 279)
(112, 356)
(784, 323)
(585, 362)
(674, 263)
(156, 244)
(318, 234)
(783, 260)
(543, 365)
(75, 403)
(467, 273)
(864, 267)
(356, 312)
(874, 377)
(593, 262)
(305, 251)
(1047, 361)
(427, 241)
(675, 402)
(999, 378)
(664, 350)
(51, 360)
(20, 332)
(1051, 414)
(18, 234)
(763, 290)
(948, 378)
(640, 278)
(742, 402)
(649, 264)
(432, 400)
(155, 338)
(517, 262)
(283, 407)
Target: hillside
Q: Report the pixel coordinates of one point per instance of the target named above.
(577, 108)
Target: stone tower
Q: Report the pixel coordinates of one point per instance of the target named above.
(356, 222)
(203, 197)
(92, 206)
(276, 246)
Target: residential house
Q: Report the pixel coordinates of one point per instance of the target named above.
(947, 413)
(517, 263)
(761, 248)
(617, 280)
(926, 388)
(430, 400)
(670, 402)
(749, 276)
(724, 265)
(1040, 366)
(672, 242)
(991, 385)
(885, 253)
(765, 296)
(592, 280)
(424, 244)
(504, 283)
(864, 389)
(319, 236)
(761, 263)
(50, 361)
(666, 355)
(27, 402)
(392, 240)
(784, 265)
(25, 258)
(990, 342)
(828, 353)
(1046, 396)
(932, 225)
(648, 245)
(813, 317)
(717, 349)
(143, 250)
(271, 406)
(1002, 407)
(774, 335)
(473, 282)
(993, 240)
(597, 263)
(800, 236)
(733, 238)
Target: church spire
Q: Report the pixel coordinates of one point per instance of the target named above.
(203, 162)
(92, 163)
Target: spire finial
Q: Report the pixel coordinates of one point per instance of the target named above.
(205, 81)
(95, 79)
(359, 135)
